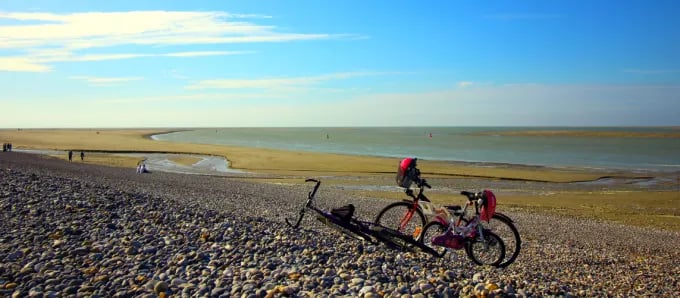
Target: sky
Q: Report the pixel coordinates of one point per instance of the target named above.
(70, 64)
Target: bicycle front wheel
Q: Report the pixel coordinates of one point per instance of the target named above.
(401, 216)
(432, 229)
(489, 251)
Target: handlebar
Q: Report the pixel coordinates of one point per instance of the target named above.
(310, 198)
(421, 185)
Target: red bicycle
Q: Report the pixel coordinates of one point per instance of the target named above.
(409, 216)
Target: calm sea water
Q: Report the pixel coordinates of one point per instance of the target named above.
(459, 144)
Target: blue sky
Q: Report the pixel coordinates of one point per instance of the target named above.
(339, 63)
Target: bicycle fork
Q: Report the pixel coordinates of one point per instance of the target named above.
(407, 218)
(478, 235)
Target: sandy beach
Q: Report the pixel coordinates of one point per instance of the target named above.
(79, 228)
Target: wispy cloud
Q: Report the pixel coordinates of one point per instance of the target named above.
(523, 16)
(186, 98)
(175, 74)
(101, 57)
(104, 29)
(464, 84)
(71, 35)
(39, 61)
(205, 53)
(103, 81)
(276, 83)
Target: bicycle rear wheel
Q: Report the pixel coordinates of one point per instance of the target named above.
(502, 226)
(399, 214)
(490, 251)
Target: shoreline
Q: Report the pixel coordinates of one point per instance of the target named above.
(272, 161)
(151, 136)
(568, 165)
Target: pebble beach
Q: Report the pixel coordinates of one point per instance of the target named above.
(82, 230)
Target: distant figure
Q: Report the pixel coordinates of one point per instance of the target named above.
(4, 147)
(70, 155)
(9, 147)
(430, 135)
(141, 167)
(82, 156)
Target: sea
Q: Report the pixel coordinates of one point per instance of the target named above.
(482, 145)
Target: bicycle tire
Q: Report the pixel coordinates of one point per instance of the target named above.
(496, 252)
(392, 215)
(501, 225)
(430, 230)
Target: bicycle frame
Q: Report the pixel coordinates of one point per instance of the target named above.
(416, 203)
(472, 226)
(329, 217)
(422, 203)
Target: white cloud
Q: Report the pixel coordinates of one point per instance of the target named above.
(276, 83)
(105, 81)
(64, 37)
(21, 64)
(100, 29)
(101, 57)
(39, 61)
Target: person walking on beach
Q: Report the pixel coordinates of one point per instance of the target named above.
(82, 156)
(70, 155)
